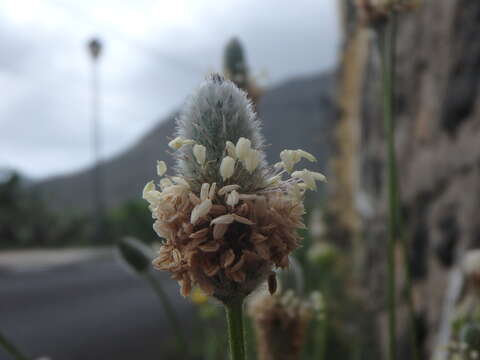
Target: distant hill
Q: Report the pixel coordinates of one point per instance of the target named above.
(296, 114)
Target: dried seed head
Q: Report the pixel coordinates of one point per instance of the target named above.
(280, 323)
(228, 241)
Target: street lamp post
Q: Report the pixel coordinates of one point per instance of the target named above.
(95, 50)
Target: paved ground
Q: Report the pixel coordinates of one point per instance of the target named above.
(83, 308)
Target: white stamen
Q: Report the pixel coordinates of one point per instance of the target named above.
(230, 146)
(227, 167)
(251, 160)
(165, 183)
(224, 219)
(200, 211)
(204, 191)
(200, 153)
(150, 186)
(233, 198)
(243, 148)
(227, 188)
(291, 157)
(180, 181)
(306, 155)
(309, 178)
(161, 168)
(151, 194)
(179, 141)
(211, 193)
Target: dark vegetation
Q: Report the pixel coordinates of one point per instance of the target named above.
(26, 220)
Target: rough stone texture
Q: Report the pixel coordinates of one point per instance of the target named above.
(438, 145)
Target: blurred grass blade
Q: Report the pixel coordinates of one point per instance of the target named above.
(12, 349)
(170, 311)
(136, 255)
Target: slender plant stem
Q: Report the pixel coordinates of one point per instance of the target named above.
(321, 338)
(386, 34)
(169, 310)
(11, 348)
(236, 333)
(408, 282)
(387, 38)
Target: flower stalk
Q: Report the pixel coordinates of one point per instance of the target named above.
(387, 42)
(172, 316)
(386, 33)
(138, 258)
(321, 335)
(236, 332)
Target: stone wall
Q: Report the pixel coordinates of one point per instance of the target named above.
(438, 147)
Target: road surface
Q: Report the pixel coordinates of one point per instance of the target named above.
(86, 310)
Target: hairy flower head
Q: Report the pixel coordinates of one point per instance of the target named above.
(227, 217)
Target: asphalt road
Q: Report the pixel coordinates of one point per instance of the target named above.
(88, 310)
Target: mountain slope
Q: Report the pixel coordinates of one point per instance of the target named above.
(296, 114)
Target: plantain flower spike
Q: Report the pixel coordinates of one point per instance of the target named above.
(226, 225)
(281, 323)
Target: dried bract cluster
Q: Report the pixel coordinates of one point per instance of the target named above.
(227, 218)
(281, 323)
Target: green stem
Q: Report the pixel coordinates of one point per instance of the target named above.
(211, 345)
(320, 345)
(236, 335)
(321, 338)
(169, 310)
(408, 286)
(387, 46)
(11, 349)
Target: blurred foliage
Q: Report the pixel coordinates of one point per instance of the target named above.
(25, 220)
(235, 68)
(235, 64)
(346, 331)
(132, 218)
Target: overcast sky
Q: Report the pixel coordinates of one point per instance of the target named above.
(156, 52)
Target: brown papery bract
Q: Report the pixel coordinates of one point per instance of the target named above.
(280, 325)
(229, 250)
